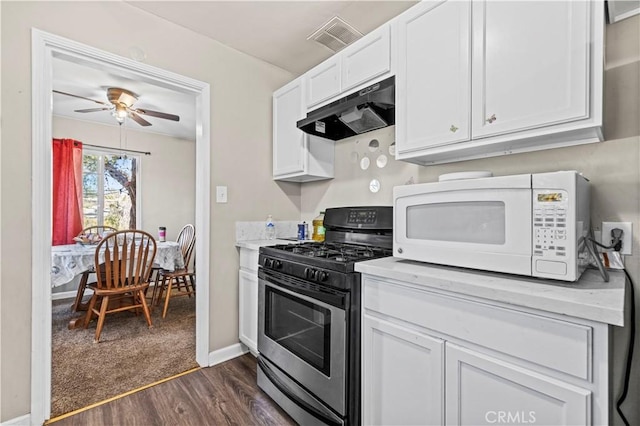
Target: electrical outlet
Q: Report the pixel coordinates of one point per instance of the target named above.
(626, 236)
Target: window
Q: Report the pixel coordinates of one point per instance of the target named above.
(109, 188)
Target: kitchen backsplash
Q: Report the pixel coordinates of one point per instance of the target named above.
(359, 161)
(248, 231)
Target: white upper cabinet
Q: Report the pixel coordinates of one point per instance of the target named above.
(486, 78)
(367, 58)
(297, 156)
(530, 64)
(433, 92)
(323, 81)
(352, 68)
(288, 140)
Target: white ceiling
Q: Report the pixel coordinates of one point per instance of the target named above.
(274, 31)
(86, 80)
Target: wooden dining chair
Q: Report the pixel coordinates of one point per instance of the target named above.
(182, 280)
(84, 279)
(123, 263)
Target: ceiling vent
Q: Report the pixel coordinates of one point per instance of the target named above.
(335, 34)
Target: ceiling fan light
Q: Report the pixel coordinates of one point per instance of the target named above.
(120, 113)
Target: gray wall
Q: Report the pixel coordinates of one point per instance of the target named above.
(241, 87)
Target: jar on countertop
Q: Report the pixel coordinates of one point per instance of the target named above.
(318, 228)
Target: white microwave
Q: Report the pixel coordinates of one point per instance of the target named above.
(529, 224)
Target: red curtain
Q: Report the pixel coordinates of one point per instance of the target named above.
(67, 190)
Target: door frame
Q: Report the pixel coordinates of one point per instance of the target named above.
(45, 46)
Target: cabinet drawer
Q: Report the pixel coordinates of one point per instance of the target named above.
(551, 343)
(249, 259)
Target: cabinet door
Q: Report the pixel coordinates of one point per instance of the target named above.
(323, 81)
(402, 375)
(433, 79)
(248, 309)
(367, 58)
(484, 390)
(288, 141)
(530, 64)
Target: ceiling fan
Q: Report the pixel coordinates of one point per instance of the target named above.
(121, 106)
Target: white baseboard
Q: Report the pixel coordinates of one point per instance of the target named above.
(64, 295)
(225, 354)
(18, 421)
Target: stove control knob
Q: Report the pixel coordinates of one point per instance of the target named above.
(277, 264)
(268, 263)
(322, 276)
(307, 273)
(314, 274)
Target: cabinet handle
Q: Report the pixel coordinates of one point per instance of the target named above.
(453, 128)
(491, 119)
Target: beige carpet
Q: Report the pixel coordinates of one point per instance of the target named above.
(129, 355)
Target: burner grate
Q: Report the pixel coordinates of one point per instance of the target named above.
(337, 252)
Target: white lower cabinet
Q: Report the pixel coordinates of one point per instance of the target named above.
(484, 390)
(248, 296)
(248, 299)
(438, 358)
(403, 375)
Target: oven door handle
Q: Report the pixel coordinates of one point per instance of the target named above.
(317, 302)
(320, 413)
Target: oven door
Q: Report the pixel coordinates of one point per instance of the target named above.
(302, 330)
(474, 223)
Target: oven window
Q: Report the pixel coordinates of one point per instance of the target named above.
(481, 222)
(301, 327)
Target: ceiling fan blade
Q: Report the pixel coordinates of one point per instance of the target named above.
(157, 114)
(141, 121)
(80, 97)
(91, 109)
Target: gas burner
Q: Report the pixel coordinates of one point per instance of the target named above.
(333, 252)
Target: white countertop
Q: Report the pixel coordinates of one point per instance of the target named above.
(589, 298)
(256, 244)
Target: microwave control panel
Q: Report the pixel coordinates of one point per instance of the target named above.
(550, 223)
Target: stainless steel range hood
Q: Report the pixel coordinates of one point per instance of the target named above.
(368, 109)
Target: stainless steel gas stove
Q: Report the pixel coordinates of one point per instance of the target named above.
(309, 316)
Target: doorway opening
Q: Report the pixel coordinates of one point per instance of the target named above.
(46, 47)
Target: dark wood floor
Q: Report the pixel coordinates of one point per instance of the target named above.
(226, 394)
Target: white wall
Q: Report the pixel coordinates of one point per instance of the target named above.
(350, 187)
(241, 88)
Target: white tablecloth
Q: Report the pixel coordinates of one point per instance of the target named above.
(70, 260)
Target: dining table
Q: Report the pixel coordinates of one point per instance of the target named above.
(70, 260)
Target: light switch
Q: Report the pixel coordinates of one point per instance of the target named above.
(221, 194)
